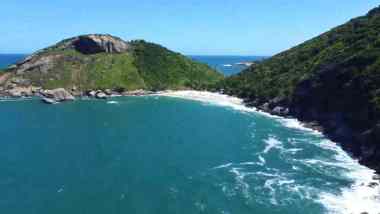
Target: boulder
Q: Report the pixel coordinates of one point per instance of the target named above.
(101, 95)
(59, 95)
(14, 93)
(264, 107)
(91, 93)
(282, 111)
(108, 92)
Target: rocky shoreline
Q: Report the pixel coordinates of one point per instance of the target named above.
(358, 143)
(59, 95)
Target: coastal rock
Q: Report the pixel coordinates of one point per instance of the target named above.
(91, 93)
(265, 107)
(101, 95)
(20, 92)
(139, 92)
(59, 95)
(281, 111)
(14, 93)
(108, 92)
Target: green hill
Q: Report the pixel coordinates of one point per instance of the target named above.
(97, 61)
(333, 79)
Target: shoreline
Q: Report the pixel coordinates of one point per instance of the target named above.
(365, 189)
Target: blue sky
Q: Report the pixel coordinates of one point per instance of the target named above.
(211, 27)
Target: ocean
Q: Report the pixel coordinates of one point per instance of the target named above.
(8, 59)
(171, 154)
(227, 64)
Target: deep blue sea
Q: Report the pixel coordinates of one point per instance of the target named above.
(227, 64)
(166, 155)
(8, 59)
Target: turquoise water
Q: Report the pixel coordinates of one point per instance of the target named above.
(162, 155)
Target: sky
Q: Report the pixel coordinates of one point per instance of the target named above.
(193, 27)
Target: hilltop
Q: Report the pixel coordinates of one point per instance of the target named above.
(331, 81)
(99, 62)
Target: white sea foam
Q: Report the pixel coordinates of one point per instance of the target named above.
(272, 143)
(294, 150)
(239, 178)
(247, 163)
(262, 160)
(223, 166)
(358, 198)
(113, 102)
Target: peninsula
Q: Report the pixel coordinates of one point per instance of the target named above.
(98, 65)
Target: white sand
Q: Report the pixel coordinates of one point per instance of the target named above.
(232, 102)
(205, 96)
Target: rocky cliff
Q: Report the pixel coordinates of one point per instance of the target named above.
(331, 81)
(96, 61)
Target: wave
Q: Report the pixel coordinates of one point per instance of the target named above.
(113, 102)
(227, 65)
(223, 166)
(362, 196)
(272, 143)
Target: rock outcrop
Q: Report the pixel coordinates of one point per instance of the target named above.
(95, 43)
(57, 95)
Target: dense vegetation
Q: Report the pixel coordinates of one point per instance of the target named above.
(161, 68)
(353, 49)
(333, 79)
(142, 65)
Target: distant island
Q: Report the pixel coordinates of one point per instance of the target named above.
(100, 65)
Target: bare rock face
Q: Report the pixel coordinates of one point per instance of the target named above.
(96, 43)
(101, 95)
